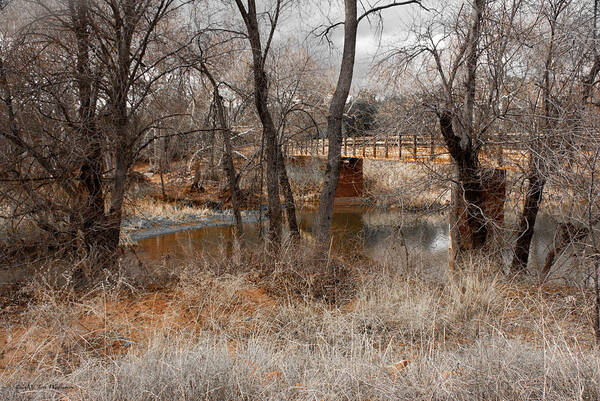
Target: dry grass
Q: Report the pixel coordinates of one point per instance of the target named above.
(242, 329)
(490, 369)
(387, 183)
(407, 185)
(306, 178)
(151, 208)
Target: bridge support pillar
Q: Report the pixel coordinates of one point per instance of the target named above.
(350, 187)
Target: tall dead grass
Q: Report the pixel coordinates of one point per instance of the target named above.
(257, 329)
(407, 185)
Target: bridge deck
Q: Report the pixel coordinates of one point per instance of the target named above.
(411, 152)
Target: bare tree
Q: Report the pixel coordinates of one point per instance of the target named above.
(537, 172)
(261, 95)
(232, 176)
(88, 109)
(555, 120)
(336, 111)
(468, 58)
(297, 105)
(334, 123)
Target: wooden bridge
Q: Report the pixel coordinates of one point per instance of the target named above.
(507, 153)
(496, 158)
(369, 148)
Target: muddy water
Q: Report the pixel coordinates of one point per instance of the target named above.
(375, 233)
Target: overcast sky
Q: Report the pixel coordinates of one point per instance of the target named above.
(374, 36)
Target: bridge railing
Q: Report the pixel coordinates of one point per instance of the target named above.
(399, 146)
(370, 147)
(500, 151)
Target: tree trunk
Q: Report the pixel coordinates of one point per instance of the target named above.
(467, 190)
(119, 96)
(93, 219)
(117, 197)
(334, 125)
(290, 209)
(228, 165)
(197, 176)
(597, 300)
(531, 207)
(261, 98)
(472, 60)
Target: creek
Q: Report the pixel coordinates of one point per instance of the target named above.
(375, 233)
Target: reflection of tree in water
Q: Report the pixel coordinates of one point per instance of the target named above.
(210, 241)
(420, 234)
(346, 228)
(354, 230)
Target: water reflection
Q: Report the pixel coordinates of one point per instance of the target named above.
(373, 232)
(353, 229)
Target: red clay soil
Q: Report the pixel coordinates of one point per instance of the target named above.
(115, 327)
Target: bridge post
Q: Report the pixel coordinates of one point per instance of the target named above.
(374, 147)
(345, 145)
(432, 147)
(399, 146)
(387, 150)
(415, 145)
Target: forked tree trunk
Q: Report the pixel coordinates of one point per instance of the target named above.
(228, 165)
(531, 207)
(261, 98)
(334, 125)
(467, 191)
(467, 195)
(93, 218)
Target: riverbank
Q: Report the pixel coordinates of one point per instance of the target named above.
(249, 327)
(139, 228)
